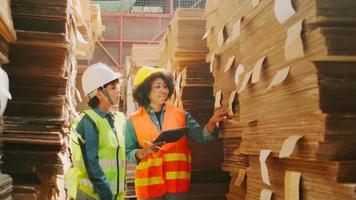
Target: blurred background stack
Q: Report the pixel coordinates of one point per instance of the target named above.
(183, 53)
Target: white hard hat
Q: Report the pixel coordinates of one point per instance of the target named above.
(4, 90)
(96, 76)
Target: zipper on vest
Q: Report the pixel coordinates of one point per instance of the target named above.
(117, 160)
(118, 172)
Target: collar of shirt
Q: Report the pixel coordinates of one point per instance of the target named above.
(101, 112)
(153, 117)
(150, 111)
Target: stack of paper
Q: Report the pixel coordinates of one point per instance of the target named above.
(87, 28)
(5, 187)
(7, 35)
(7, 31)
(144, 55)
(300, 179)
(284, 71)
(42, 72)
(182, 44)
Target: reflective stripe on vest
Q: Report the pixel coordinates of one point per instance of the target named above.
(169, 169)
(176, 157)
(177, 175)
(149, 163)
(110, 144)
(148, 181)
(113, 185)
(103, 163)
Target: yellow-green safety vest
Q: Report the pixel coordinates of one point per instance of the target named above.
(77, 177)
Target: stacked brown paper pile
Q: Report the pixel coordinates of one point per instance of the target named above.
(5, 180)
(42, 76)
(144, 55)
(88, 28)
(7, 35)
(183, 53)
(7, 31)
(5, 187)
(130, 180)
(318, 179)
(182, 44)
(290, 65)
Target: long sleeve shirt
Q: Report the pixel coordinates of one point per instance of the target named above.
(87, 129)
(195, 132)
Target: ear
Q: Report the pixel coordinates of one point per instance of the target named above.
(100, 94)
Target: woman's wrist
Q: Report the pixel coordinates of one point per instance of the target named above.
(211, 127)
(141, 154)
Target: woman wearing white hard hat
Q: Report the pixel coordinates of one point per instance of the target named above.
(163, 169)
(98, 161)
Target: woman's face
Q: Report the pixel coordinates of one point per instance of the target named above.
(159, 92)
(113, 90)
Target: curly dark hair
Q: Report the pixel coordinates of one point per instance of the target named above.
(141, 92)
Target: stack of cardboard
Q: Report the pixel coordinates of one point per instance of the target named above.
(285, 72)
(86, 19)
(130, 180)
(144, 55)
(42, 75)
(5, 180)
(182, 44)
(7, 35)
(7, 31)
(183, 53)
(5, 187)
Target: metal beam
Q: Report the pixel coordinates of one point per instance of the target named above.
(108, 54)
(129, 41)
(136, 15)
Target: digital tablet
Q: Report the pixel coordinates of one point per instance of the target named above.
(172, 135)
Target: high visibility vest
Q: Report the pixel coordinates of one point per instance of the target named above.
(169, 169)
(111, 157)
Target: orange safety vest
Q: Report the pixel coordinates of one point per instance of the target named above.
(169, 169)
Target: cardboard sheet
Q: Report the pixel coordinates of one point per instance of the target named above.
(206, 34)
(221, 37)
(291, 185)
(288, 146)
(240, 70)
(179, 80)
(266, 194)
(236, 29)
(218, 97)
(169, 65)
(264, 153)
(4, 91)
(241, 177)
(293, 47)
(256, 74)
(280, 76)
(283, 10)
(231, 100)
(245, 81)
(212, 59)
(229, 63)
(255, 3)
